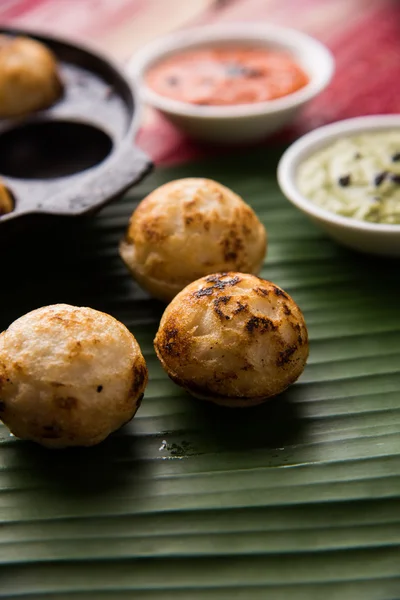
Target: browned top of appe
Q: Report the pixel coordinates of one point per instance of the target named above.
(234, 338)
(29, 78)
(188, 228)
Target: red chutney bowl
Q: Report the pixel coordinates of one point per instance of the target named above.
(243, 103)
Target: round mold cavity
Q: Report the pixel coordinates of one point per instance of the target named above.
(52, 149)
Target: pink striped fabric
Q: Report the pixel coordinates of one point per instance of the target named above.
(364, 36)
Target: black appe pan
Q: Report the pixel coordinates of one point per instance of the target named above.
(78, 155)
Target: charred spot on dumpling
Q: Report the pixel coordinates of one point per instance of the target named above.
(232, 244)
(222, 300)
(206, 291)
(139, 379)
(262, 291)
(220, 281)
(278, 292)
(299, 331)
(261, 324)
(240, 307)
(285, 356)
(170, 340)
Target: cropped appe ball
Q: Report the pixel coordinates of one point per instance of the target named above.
(6, 203)
(233, 339)
(189, 228)
(29, 79)
(69, 376)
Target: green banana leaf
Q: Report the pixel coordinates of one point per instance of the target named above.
(295, 499)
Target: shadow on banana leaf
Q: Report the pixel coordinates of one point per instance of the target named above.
(203, 428)
(82, 471)
(274, 424)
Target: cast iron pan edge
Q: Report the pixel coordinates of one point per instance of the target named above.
(89, 190)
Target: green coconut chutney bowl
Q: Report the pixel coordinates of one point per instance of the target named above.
(341, 178)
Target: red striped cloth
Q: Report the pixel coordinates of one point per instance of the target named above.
(364, 36)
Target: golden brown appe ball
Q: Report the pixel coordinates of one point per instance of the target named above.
(6, 203)
(29, 79)
(189, 228)
(233, 338)
(69, 376)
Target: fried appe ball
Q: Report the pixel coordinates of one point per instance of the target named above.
(232, 338)
(6, 203)
(29, 79)
(69, 376)
(189, 228)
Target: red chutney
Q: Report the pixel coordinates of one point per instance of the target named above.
(226, 76)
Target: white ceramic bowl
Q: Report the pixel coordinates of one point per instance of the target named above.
(373, 238)
(239, 123)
